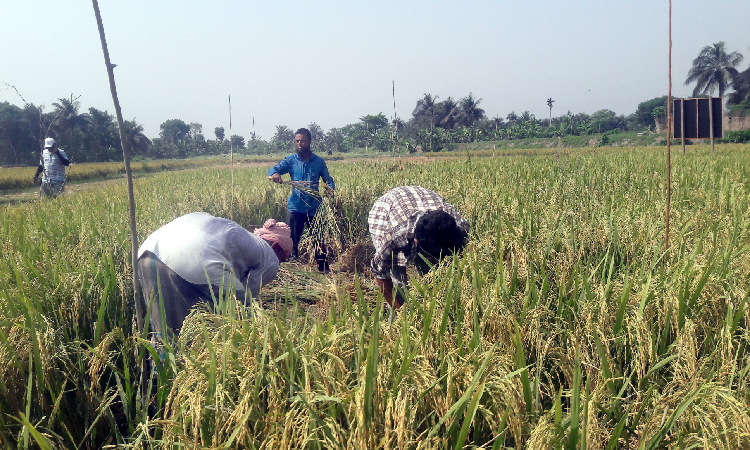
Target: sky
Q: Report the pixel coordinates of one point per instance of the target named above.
(331, 62)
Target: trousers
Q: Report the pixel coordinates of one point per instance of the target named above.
(51, 189)
(167, 292)
(298, 222)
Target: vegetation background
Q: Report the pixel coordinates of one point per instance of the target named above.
(435, 125)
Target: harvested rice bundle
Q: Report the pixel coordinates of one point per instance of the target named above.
(323, 235)
(356, 259)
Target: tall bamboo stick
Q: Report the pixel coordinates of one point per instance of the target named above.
(126, 156)
(231, 158)
(395, 126)
(669, 133)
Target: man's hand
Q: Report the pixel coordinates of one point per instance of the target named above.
(276, 178)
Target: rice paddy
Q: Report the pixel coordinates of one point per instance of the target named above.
(564, 324)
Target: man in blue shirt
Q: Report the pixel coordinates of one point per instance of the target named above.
(308, 168)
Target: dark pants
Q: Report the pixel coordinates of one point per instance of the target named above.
(178, 296)
(401, 281)
(51, 189)
(297, 223)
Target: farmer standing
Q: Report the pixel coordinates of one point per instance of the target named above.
(193, 257)
(411, 223)
(303, 167)
(52, 167)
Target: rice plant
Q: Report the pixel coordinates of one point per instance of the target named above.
(564, 323)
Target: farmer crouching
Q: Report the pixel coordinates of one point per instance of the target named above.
(411, 224)
(192, 257)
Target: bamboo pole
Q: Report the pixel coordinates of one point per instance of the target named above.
(231, 161)
(395, 126)
(395, 121)
(126, 156)
(669, 133)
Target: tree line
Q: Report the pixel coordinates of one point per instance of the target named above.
(86, 136)
(434, 125)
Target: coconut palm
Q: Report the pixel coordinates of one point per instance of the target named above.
(469, 110)
(284, 137)
(138, 141)
(713, 69)
(316, 131)
(68, 120)
(425, 106)
(741, 86)
(446, 113)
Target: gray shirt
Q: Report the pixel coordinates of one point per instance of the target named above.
(204, 249)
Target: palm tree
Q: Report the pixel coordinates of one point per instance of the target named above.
(425, 106)
(549, 103)
(469, 110)
(741, 86)
(285, 136)
(316, 131)
(446, 113)
(713, 69)
(138, 141)
(67, 119)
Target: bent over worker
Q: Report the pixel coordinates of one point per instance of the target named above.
(192, 257)
(411, 224)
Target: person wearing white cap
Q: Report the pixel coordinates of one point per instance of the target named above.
(193, 257)
(52, 167)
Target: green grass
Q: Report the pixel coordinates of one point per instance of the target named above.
(563, 324)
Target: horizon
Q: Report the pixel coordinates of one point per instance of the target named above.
(338, 62)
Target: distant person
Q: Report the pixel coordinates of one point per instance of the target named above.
(410, 224)
(189, 259)
(52, 167)
(304, 167)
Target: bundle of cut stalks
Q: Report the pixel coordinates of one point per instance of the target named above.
(304, 186)
(292, 281)
(323, 234)
(356, 259)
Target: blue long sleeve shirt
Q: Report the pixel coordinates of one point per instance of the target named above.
(310, 172)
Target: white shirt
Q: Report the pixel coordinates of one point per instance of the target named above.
(54, 170)
(204, 249)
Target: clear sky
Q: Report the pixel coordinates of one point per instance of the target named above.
(332, 62)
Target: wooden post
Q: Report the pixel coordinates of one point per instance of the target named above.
(711, 120)
(231, 160)
(495, 141)
(669, 133)
(682, 124)
(126, 156)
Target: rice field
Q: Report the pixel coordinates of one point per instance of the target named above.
(564, 324)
